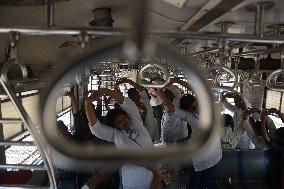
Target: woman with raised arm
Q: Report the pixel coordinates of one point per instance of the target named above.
(173, 128)
(253, 130)
(239, 106)
(140, 97)
(125, 128)
(229, 136)
(203, 175)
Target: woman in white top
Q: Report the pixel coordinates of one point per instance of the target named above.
(229, 136)
(140, 97)
(237, 109)
(204, 173)
(124, 128)
(254, 130)
(157, 106)
(173, 128)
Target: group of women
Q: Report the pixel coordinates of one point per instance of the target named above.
(170, 116)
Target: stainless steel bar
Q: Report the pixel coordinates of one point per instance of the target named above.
(138, 22)
(17, 143)
(259, 51)
(23, 187)
(23, 167)
(159, 33)
(259, 20)
(33, 131)
(66, 31)
(11, 121)
(50, 13)
(213, 49)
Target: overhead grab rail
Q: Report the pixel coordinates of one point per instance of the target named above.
(272, 80)
(156, 33)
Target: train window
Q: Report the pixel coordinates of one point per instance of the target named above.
(273, 99)
(27, 155)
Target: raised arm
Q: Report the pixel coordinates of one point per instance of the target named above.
(264, 133)
(90, 112)
(227, 105)
(74, 103)
(182, 83)
(134, 84)
(115, 94)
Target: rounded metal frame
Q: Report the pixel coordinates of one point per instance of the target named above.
(83, 154)
(271, 81)
(7, 66)
(167, 75)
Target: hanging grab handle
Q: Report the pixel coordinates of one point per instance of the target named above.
(153, 76)
(271, 81)
(223, 70)
(8, 65)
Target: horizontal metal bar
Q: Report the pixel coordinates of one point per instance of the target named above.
(23, 187)
(260, 51)
(161, 33)
(209, 50)
(65, 31)
(23, 167)
(17, 143)
(11, 121)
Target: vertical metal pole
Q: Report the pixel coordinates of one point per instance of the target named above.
(50, 13)
(21, 101)
(259, 20)
(2, 148)
(134, 46)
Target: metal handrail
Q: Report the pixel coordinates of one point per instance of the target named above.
(271, 81)
(11, 121)
(23, 167)
(100, 31)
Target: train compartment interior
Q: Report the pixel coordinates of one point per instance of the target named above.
(158, 94)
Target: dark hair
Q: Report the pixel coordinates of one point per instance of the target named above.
(63, 128)
(280, 132)
(131, 92)
(169, 94)
(186, 101)
(227, 120)
(111, 115)
(256, 125)
(61, 124)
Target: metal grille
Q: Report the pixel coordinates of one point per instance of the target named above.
(273, 99)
